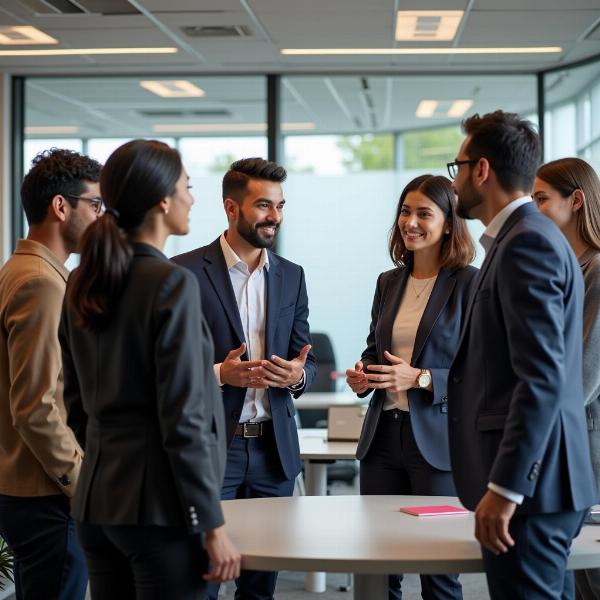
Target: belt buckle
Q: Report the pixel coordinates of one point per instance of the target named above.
(252, 430)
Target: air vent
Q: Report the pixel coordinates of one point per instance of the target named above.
(45, 8)
(216, 31)
(184, 113)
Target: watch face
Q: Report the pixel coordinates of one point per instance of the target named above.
(424, 380)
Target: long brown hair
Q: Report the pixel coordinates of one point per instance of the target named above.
(567, 175)
(135, 178)
(458, 249)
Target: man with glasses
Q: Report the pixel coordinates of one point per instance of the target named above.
(518, 436)
(39, 457)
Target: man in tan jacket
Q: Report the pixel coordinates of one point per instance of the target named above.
(39, 457)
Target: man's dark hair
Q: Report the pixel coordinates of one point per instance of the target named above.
(509, 143)
(55, 171)
(235, 181)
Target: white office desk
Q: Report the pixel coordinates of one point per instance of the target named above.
(323, 400)
(366, 535)
(317, 452)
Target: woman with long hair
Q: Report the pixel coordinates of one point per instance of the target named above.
(568, 191)
(415, 326)
(141, 395)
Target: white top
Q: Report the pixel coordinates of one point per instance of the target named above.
(365, 534)
(404, 331)
(250, 292)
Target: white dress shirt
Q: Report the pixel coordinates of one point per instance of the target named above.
(486, 240)
(250, 290)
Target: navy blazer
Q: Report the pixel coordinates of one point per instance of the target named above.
(516, 415)
(435, 344)
(287, 332)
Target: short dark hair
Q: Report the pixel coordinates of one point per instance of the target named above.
(458, 249)
(235, 181)
(509, 143)
(55, 171)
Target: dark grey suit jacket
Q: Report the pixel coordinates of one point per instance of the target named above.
(143, 402)
(515, 395)
(435, 344)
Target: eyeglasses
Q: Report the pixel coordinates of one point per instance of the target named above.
(96, 203)
(453, 166)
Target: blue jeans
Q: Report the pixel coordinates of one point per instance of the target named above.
(48, 561)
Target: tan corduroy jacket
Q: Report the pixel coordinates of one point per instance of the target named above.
(39, 455)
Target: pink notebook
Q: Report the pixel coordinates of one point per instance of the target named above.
(434, 511)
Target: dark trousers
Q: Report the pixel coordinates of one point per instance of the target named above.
(535, 568)
(253, 471)
(48, 561)
(395, 465)
(143, 562)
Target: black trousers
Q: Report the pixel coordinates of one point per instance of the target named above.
(395, 465)
(143, 562)
(48, 561)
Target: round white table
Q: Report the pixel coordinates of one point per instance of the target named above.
(366, 535)
(317, 452)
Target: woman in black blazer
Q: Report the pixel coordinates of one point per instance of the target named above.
(141, 395)
(415, 326)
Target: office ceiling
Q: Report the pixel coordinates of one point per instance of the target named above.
(317, 96)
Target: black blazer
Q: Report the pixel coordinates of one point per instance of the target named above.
(435, 344)
(287, 331)
(515, 391)
(143, 402)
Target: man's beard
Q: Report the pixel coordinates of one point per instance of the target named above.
(468, 199)
(251, 234)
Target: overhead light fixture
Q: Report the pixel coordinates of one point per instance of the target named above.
(388, 51)
(51, 130)
(227, 127)
(427, 25)
(428, 109)
(24, 34)
(176, 88)
(86, 51)
(459, 107)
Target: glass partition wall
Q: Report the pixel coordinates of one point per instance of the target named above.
(350, 144)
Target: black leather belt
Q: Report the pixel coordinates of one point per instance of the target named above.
(253, 430)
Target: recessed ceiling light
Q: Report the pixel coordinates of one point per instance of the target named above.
(426, 109)
(427, 25)
(386, 51)
(24, 34)
(176, 88)
(226, 127)
(459, 107)
(51, 130)
(84, 51)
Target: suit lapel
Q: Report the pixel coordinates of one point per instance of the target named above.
(274, 282)
(392, 296)
(217, 273)
(512, 220)
(442, 289)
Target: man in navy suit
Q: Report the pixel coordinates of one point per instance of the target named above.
(517, 428)
(256, 306)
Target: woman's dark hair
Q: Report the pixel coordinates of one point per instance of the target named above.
(457, 249)
(135, 178)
